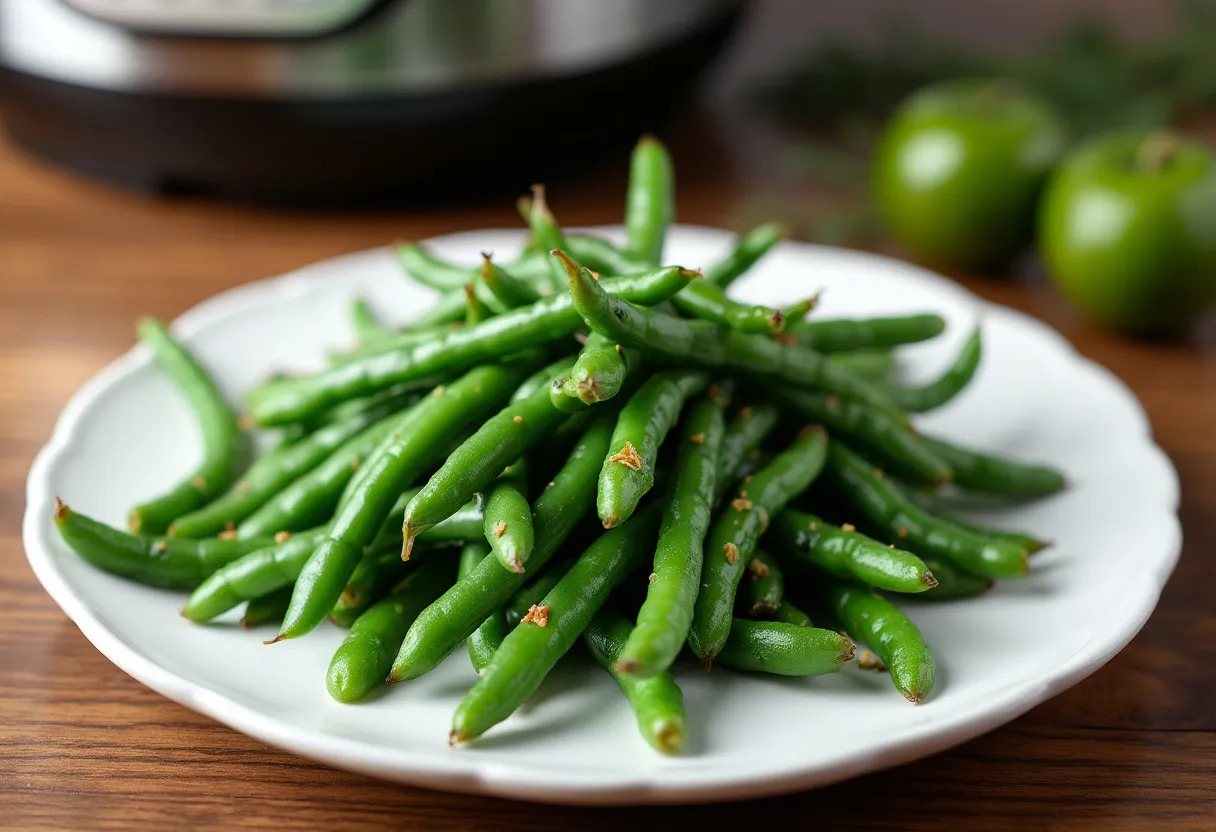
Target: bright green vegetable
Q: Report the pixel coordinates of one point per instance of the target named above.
(946, 386)
(750, 247)
(847, 334)
(845, 552)
(628, 471)
(996, 474)
(733, 536)
(904, 522)
(650, 202)
(666, 614)
(763, 588)
(216, 422)
(784, 649)
(656, 700)
(876, 622)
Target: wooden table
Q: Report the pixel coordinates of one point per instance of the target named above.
(84, 746)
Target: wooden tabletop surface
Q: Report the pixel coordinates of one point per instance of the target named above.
(83, 746)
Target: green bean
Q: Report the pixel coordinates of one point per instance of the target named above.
(511, 292)
(764, 590)
(650, 201)
(489, 636)
(448, 309)
(784, 649)
(666, 614)
(483, 641)
(508, 524)
(845, 334)
(952, 582)
(167, 562)
(368, 328)
(216, 422)
(706, 301)
(364, 657)
(995, 474)
(290, 400)
(266, 609)
(884, 504)
(869, 426)
(874, 365)
(628, 471)
(876, 622)
(598, 374)
(787, 613)
(310, 498)
(932, 501)
(545, 232)
(600, 256)
(478, 460)
(749, 427)
(401, 457)
(657, 703)
(459, 611)
(750, 247)
(276, 471)
(799, 311)
(733, 536)
(474, 310)
(710, 345)
(531, 650)
(845, 552)
(425, 268)
(946, 386)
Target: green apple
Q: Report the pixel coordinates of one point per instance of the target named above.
(959, 169)
(1127, 229)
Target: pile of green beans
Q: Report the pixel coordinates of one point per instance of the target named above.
(585, 449)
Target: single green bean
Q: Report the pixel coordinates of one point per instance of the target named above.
(511, 292)
(996, 474)
(845, 334)
(787, 613)
(460, 610)
(764, 589)
(167, 562)
(874, 365)
(903, 521)
(707, 302)
(266, 609)
(475, 311)
(784, 649)
(531, 650)
(750, 247)
(650, 202)
(481, 458)
(401, 457)
(749, 427)
(844, 552)
(368, 328)
(216, 422)
(657, 703)
(628, 471)
(876, 622)
(546, 232)
(666, 614)
(710, 345)
(946, 386)
(364, 657)
(872, 427)
(431, 271)
(508, 524)
(733, 536)
(290, 400)
(598, 374)
(800, 310)
(953, 582)
(276, 471)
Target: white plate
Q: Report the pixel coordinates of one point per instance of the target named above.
(126, 435)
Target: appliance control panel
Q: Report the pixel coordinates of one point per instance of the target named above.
(230, 18)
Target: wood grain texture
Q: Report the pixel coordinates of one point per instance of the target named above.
(84, 746)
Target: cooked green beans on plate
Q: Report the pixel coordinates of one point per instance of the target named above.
(586, 451)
